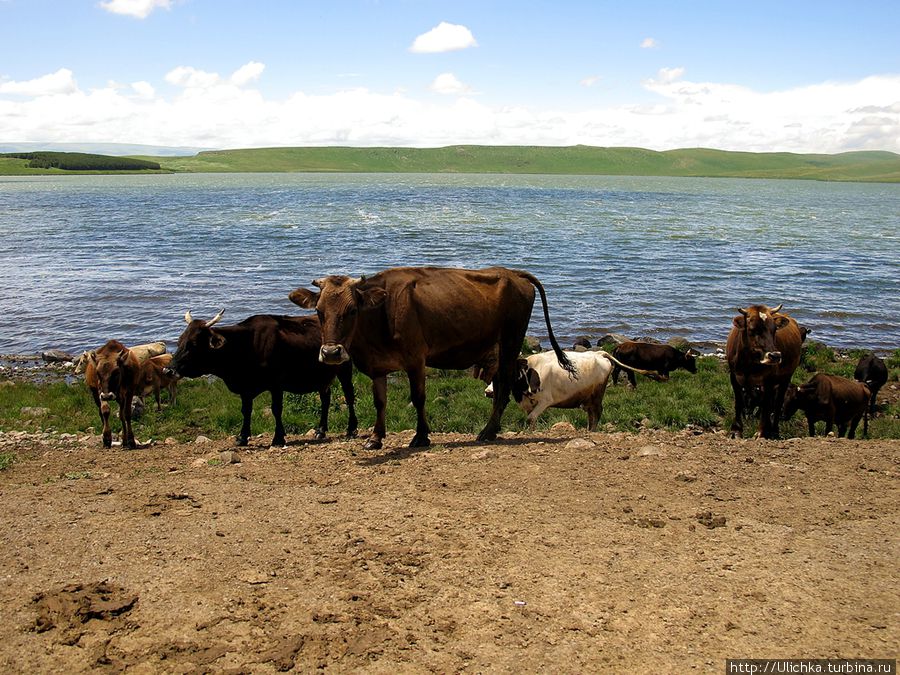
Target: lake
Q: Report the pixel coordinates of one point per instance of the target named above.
(88, 258)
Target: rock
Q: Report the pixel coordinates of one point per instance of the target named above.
(582, 343)
(685, 477)
(612, 339)
(200, 440)
(680, 343)
(650, 451)
(580, 444)
(531, 345)
(562, 428)
(229, 457)
(56, 356)
(710, 520)
(29, 411)
(171, 441)
(199, 462)
(485, 454)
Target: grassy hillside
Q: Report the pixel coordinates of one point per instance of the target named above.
(580, 159)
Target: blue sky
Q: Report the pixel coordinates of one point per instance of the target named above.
(762, 76)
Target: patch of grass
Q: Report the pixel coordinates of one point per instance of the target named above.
(455, 403)
(7, 459)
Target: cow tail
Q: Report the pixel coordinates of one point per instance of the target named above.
(561, 357)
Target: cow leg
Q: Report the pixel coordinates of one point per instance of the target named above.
(417, 396)
(500, 401)
(631, 378)
(324, 405)
(812, 425)
(104, 418)
(246, 410)
(172, 387)
(780, 392)
(379, 398)
(345, 377)
(851, 432)
(615, 374)
(594, 409)
(737, 426)
(125, 416)
(277, 409)
(156, 396)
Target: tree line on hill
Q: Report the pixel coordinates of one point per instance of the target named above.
(78, 161)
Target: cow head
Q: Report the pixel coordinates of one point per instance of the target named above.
(758, 324)
(526, 382)
(338, 304)
(689, 361)
(107, 363)
(805, 397)
(197, 347)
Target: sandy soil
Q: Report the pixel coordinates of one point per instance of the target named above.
(558, 552)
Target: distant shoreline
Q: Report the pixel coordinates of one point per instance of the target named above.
(862, 166)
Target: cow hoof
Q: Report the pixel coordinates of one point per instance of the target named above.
(420, 441)
(373, 444)
(280, 442)
(486, 436)
(241, 441)
(107, 442)
(320, 435)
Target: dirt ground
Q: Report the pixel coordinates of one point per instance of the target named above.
(560, 551)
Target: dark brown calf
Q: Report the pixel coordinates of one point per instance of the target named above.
(648, 356)
(832, 399)
(112, 374)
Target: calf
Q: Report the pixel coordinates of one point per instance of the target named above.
(872, 372)
(156, 375)
(112, 373)
(264, 353)
(541, 383)
(660, 358)
(832, 399)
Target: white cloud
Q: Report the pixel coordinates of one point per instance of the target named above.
(589, 81)
(447, 83)
(247, 73)
(649, 43)
(445, 37)
(143, 89)
(60, 82)
(208, 110)
(139, 9)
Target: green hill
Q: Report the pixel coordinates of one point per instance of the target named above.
(579, 159)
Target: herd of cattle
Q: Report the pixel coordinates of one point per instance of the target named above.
(411, 318)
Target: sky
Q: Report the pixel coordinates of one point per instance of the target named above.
(761, 76)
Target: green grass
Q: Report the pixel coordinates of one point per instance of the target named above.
(456, 403)
(579, 159)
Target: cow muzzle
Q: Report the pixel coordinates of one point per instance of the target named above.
(771, 358)
(107, 396)
(333, 354)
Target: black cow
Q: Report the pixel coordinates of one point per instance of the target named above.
(264, 353)
(873, 373)
(648, 356)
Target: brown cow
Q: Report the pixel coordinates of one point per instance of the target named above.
(155, 376)
(763, 351)
(112, 373)
(409, 318)
(832, 399)
(649, 356)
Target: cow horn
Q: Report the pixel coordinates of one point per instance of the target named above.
(777, 309)
(213, 321)
(743, 311)
(187, 317)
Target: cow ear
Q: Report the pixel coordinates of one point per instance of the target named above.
(740, 322)
(304, 298)
(372, 297)
(122, 357)
(781, 322)
(216, 340)
(92, 356)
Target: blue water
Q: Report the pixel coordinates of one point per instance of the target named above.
(87, 258)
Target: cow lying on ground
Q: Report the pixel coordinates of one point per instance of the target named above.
(142, 352)
(540, 383)
(411, 318)
(264, 353)
(873, 373)
(763, 351)
(155, 376)
(112, 373)
(832, 399)
(661, 358)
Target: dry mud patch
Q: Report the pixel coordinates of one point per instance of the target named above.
(568, 552)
